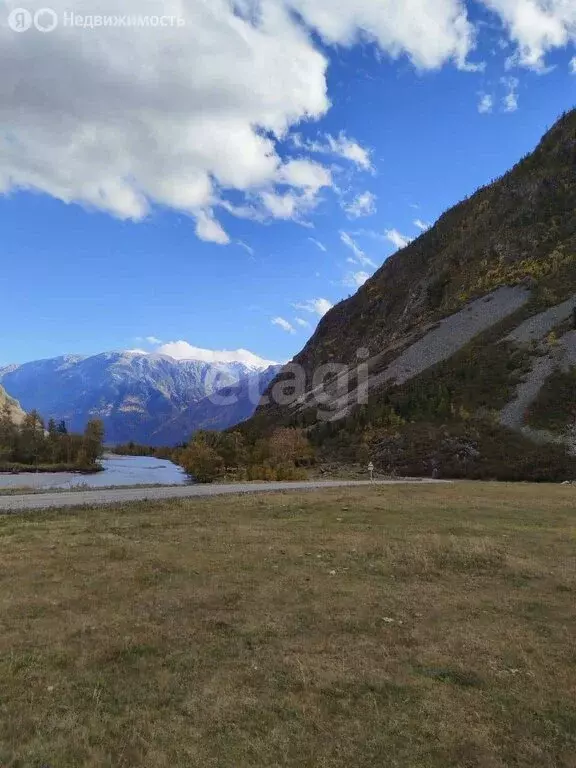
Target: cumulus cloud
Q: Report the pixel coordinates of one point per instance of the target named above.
(423, 225)
(193, 113)
(486, 104)
(182, 350)
(397, 239)
(153, 340)
(362, 205)
(284, 324)
(359, 255)
(536, 26)
(573, 66)
(429, 32)
(193, 117)
(315, 306)
(510, 100)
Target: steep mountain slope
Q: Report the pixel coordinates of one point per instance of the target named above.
(226, 408)
(134, 394)
(456, 326)
(16, 412)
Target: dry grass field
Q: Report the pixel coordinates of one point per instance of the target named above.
(419, 627)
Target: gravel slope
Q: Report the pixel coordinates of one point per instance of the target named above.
(10, 504)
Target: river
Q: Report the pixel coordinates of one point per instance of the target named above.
(118, 471)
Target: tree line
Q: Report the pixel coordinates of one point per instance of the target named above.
(32, 444)
(285, 454)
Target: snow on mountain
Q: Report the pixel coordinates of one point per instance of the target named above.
(134, 393)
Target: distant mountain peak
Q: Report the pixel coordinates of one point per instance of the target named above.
(183, 351)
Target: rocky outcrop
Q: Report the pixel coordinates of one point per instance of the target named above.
(16, 412)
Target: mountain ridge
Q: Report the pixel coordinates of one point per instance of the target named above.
(134, 394)
(437, 323)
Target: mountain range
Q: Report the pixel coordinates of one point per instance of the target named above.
(470, 334)
(457, 357)
(145, 398)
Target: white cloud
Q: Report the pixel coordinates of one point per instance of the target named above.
(423, 225)
(284, 324)
(537, 27)
(486, 104)
(351, 150)
(302, 323)
(248, 248)
(359, 255)
(362, 205)
(573, 66)
(153, 340)
(210, 230)
(429, 32)
(337, 146)
(356, 279)
(510, 100)
(182, 350)
(318, 244)
(397, 239)
(315, 306)
(306, 175)
(192, 119)
(193, 112)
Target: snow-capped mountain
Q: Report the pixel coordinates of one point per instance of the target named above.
(134, 393)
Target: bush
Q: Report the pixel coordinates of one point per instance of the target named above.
(201, 462)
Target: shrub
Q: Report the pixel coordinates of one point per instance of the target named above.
(201, 462)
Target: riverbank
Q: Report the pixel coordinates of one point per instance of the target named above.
(50, 469)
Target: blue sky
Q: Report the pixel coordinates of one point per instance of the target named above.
(407, 141)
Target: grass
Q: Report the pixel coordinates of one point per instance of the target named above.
(403, 626)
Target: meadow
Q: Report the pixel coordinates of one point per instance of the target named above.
(417, 627)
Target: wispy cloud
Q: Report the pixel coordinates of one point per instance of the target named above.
(356, 279)
(302, 323)
(315, 306)
(247, 248)
(318, 244)
(284, 324)
(337, 146)
(362, 205)
(359, 255)
(397, 238)
(423, 225)
(573, 66)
